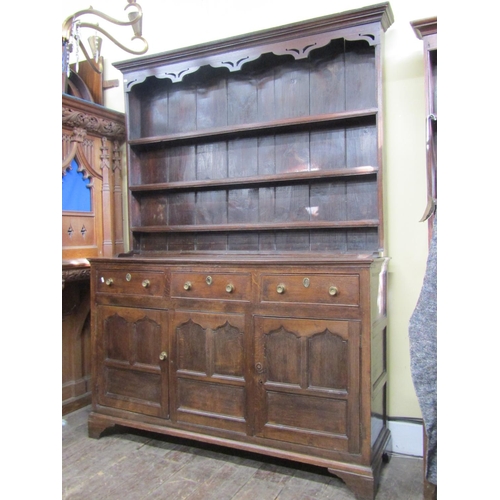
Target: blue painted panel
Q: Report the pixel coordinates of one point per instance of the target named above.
(75, 190)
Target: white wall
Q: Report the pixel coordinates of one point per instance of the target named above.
(169, 25)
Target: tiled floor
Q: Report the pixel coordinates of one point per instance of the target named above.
(132, 465)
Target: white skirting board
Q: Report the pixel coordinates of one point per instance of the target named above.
(407, 437)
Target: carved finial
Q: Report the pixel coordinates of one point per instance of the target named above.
(117, 156)
(79, 135)
(104, 153)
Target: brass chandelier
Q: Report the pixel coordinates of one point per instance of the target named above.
(71, 38)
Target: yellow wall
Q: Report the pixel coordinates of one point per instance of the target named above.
(169, 25)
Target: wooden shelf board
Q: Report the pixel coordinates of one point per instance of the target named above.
(284, 226)
(315, 175)
(256, 128)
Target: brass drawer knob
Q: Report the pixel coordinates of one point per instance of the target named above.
(163, 356)
(280, 288)
(187, 285)
(229, 288)
(145, 283)
(333, 290)
(109, 281)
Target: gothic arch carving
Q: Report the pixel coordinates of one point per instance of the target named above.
(84, 165)
(93, 136)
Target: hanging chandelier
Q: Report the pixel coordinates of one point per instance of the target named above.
(72, 41)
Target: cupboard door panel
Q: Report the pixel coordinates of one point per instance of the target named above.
(130, 372)
(191, 340)
(228, 351)
(328, 361)
(208, 344)
(209, 369)
(212, 405)
(307, 378)
(116, 338)
(306, 420)
(283, 357)
(133, 386)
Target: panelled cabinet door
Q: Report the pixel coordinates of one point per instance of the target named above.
(208, 357)
(307, 376)
(132, 352)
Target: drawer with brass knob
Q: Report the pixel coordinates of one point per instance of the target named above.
(217, 286)
(334, 289)
(130, 281)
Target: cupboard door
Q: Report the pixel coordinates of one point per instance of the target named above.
(208, 355)
(132, 359)
(307, 378)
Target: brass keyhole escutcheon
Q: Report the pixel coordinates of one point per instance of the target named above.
(145, 283)
(163, 356)
(229, 288)
(306, 282)
(109, 281)
(128, 276)
(187, 285)
(280, 288)
(333, 290)
(208, 280)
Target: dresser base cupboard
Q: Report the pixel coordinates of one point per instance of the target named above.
(250, 311)
(283, 357)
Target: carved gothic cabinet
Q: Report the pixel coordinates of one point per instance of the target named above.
(250, 311)
(92, 225)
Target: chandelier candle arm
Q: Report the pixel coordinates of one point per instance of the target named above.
(116, 42)
(135, 18)
(68, 35)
